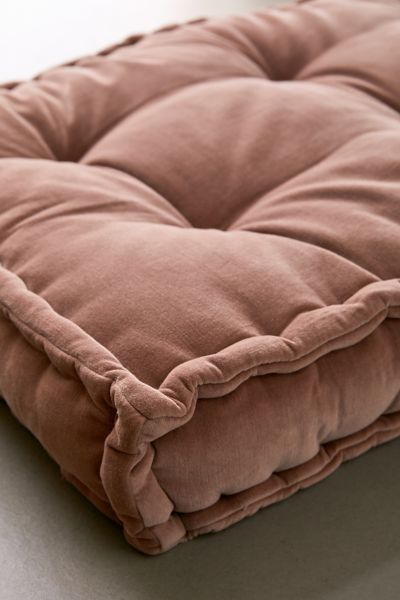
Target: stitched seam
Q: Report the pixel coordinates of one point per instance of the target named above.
(129, 41)
(257, 365)
(71, 355)
(41, 334)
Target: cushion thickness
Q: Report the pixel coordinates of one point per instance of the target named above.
(200, 261)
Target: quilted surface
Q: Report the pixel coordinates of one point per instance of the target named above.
(200, 253)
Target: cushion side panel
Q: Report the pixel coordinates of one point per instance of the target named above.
(231, 509)
(274, 422)
(56, 409)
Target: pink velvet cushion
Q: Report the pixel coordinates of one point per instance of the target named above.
(200, 250)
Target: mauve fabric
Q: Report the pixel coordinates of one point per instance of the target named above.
(200, 261)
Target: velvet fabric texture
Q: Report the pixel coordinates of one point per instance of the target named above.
(200, 261)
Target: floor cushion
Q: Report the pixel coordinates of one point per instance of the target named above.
(200, 261)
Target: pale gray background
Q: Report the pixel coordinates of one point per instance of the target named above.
(337, 541)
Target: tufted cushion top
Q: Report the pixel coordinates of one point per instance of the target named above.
(200, 250)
